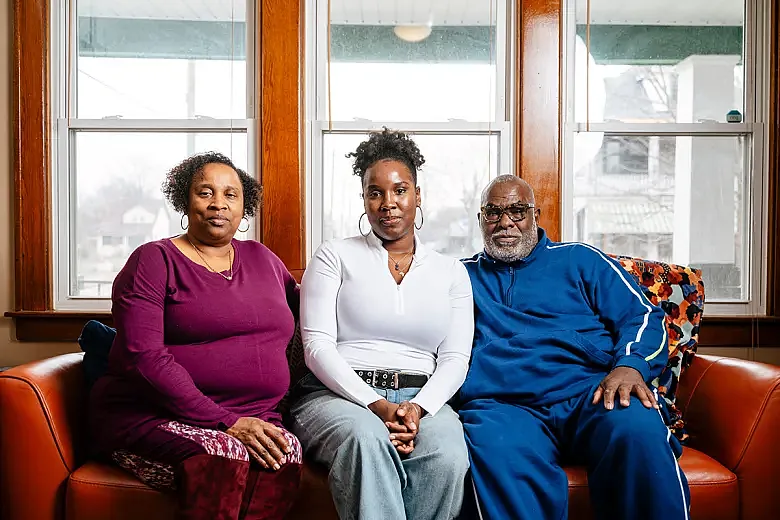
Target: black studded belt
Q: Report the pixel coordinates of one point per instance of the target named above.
(390, 379)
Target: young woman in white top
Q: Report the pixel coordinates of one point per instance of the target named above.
(387, 327)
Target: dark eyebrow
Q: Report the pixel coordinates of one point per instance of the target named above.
(374, 186)
(204, 184)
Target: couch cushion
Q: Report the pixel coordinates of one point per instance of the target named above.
(98, 491)
(95, 489)
(714, 489)
(679, 291)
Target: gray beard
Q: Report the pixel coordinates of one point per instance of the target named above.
(509, 254)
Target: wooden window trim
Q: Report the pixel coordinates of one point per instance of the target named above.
(282, 220)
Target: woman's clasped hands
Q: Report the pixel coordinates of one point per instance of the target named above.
(402, 421)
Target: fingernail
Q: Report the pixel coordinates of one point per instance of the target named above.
(392, 437)
(277, 466)
(284, 460)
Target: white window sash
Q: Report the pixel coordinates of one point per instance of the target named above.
(317, 130)
(753, 129)
(200, 125)
(316, 20)
(63, 98)
(317, 123)
(670, 129)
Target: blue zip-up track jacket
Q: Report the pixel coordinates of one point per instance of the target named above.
(553, 324)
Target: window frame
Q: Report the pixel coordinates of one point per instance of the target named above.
(753, 129)
(64, 103)
(277, 76)
(318, 125)
(536, 106)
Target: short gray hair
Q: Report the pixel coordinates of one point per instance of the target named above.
(502, 179)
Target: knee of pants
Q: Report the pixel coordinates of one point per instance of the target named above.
(450, 460)
(209, 442)
(635, 433)
(367, 439)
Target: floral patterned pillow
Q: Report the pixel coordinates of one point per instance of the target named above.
(679, 291)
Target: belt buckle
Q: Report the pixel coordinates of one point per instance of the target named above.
(384, 379)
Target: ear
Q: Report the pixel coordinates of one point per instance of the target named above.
(418, 197)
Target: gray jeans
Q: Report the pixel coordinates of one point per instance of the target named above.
(368, 478)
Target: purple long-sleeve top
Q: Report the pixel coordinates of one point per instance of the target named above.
(192, 346)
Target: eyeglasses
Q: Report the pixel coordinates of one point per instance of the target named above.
(516, 212)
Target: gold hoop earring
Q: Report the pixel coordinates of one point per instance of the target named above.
(360, 228)
(182, 222)
(422, 218)
(248, 224)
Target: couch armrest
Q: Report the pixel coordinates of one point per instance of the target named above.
(732, 411)
(42, 411)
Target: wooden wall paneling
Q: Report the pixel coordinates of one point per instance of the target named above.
(747, 332)
(538, 114)
(31, 165)
(55, 326)
(281, 58)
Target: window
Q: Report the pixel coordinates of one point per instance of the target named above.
(437, 70)
(625, 155)
(137, 87)
(652, 166)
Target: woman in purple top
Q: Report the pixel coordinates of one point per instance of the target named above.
(198, 365)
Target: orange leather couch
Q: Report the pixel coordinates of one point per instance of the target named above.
(732, 408)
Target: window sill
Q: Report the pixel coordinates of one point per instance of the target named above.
(66, 325)
(716, 331)
(54, 326)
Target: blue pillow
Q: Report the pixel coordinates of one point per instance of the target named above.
(96, 340)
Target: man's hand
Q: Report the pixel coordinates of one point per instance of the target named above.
(624, 381)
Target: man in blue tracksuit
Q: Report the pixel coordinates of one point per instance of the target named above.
(565, 346)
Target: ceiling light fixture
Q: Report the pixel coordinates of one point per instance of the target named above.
(412, 33)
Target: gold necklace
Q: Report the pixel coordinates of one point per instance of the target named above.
(230, 259)
(397, 265)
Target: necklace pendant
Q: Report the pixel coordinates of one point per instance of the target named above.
(401, 273)
(229, 277)
(397, 268)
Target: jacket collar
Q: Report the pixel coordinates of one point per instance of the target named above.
(420, 251)
(541, 246)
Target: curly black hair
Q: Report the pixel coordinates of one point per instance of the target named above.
(176, 186)
(387, 144)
